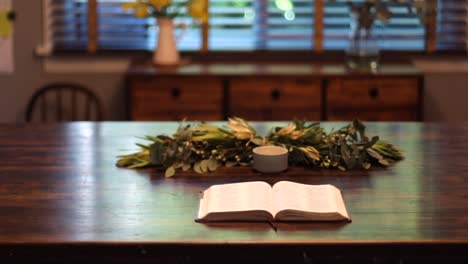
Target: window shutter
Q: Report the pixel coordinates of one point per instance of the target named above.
(452, 25)
(402, 32)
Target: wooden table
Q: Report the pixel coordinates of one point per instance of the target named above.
(62, 197)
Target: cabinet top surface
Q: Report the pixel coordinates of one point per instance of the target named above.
(59, 183)
(269, 69)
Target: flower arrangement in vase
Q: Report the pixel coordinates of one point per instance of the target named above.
(164, 11)
(363, 50)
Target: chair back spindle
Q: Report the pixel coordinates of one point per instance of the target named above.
(61, 102)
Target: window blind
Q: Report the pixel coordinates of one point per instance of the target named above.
(452, 25)
(68, 24)
(289, 25)
(119, 29)
(403, 32)
(250, 25)
(232, 25)
(261, 24)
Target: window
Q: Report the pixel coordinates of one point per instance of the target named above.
(403, 32)
(452, 29)
(245, 25)
(67, 23)
(261, 24)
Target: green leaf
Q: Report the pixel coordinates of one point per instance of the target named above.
(123, 162)
(374, 154)
(212, 164)
(230, 164)
(204, 165)
(360, 128)
(257, 141)
(186, 166)
(169, 172)
(139, 165)
(366, 165)
(156, 153)
(384, 162)
(142, 146)
(372, 142)
(196, 168)
(154, 139)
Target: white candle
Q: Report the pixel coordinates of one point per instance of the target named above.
(270, 159)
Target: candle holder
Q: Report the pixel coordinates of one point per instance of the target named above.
(270, 159)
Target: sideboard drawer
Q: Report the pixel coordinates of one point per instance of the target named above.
(386, 99)
(168, 98)
(275, 98)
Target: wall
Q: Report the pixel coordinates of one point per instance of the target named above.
(16, 89)
(444, 95)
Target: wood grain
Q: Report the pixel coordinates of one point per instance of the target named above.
(92, 26)
(374, 99)
(195, 98)
(275, 98)
(319, 11)
(61, 196)
(274, 91)
(269, 69)
(431, 27)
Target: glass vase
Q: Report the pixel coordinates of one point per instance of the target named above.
(362, 53)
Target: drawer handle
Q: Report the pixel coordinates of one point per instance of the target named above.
(175, 92)
(374, 92)
(275, 94)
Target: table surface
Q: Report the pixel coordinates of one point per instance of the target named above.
(271, 69)
(59, 184)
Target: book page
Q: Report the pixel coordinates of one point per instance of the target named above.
(320, 199)
(236, 197)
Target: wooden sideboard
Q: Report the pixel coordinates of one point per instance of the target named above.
(273, 91)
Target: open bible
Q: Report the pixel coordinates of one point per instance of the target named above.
(285, 201)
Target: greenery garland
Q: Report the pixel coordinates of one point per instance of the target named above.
(205, 147)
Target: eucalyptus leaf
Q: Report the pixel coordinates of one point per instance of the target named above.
(204, 165)
(374, 154)
(186, 166)
(384, 162)
(142, 146)
(231, 164)
(169, 172)
(257, 141)
(196, 168)
(212, 165)
(366, 165)
(156, 153)
(139, 165)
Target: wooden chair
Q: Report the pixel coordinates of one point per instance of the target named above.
(61, 102)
